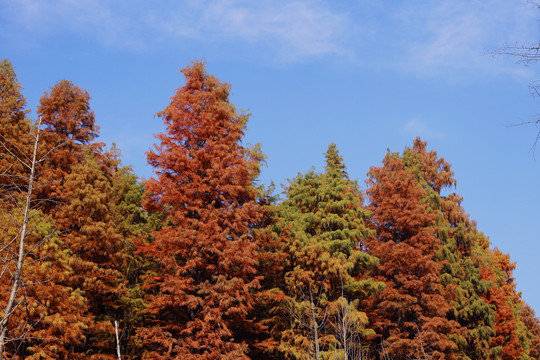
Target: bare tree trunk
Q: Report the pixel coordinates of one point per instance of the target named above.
(347, 330)
(314, 326)
(312, 318)
(117, 340)
(12, 302)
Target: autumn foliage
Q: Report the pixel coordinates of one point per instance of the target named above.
(202, 291)
(411, 311)
(203, 262)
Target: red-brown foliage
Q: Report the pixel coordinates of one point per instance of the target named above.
(410, 312)
(503, 295)
(68, 125)
(201, 294)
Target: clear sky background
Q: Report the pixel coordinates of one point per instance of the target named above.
(368, 75)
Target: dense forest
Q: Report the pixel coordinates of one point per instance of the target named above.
(204, 262)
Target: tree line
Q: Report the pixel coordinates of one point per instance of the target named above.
(203, 262)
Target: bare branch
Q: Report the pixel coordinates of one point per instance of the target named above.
(526, 55)
(17, 283)
(3, 143)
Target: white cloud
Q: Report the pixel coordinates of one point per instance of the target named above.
(418, 127)
(292, 29)
(302, 29)
(448, 38)
(456, 36)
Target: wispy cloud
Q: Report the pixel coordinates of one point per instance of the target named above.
(445, 38)
(456, 36)
(418, 127)
(294, 30)
(98, 20)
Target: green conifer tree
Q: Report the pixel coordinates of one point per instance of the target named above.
(532, 323)
(135, 226)
(324, 221)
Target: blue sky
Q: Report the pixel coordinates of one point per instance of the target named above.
(367, 75)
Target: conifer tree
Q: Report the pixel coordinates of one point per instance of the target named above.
(134, 225)
(14, 127)
(476, 281)
(533, 327)
(51, 320)
(325, 216)
(12, 103)
(69, 126)
(411, 312)
(272, 264)
(47, 320)
(510, 340)
(79, 176)
(464, 252)
(201, 294)
(90, 233)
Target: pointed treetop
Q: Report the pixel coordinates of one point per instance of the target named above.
(334, 161)
(204, 191)
(431, 170)
(12, 102)
(14, 126)
(66, 111)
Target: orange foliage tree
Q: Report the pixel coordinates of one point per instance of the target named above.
(69, 125)
(533, 326)
(48, 320)
(464, 252)
(14, 127)
(410, 313)
(201, 295)
(510, 340)
(79, 176)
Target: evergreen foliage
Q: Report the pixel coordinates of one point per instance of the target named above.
(326, 239)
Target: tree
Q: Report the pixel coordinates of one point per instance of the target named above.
(52, 318)
(324, 221)
(17, 176)
(90, 234)
(79, 176)
(533, 327)
(464, 253)
(134, 225)
(14, 127)
(201, 294)
(410, 313)
(510, 340)
(69, 126)
(46, 319)
(14, 261)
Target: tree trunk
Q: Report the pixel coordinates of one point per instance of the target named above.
(12, 302)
